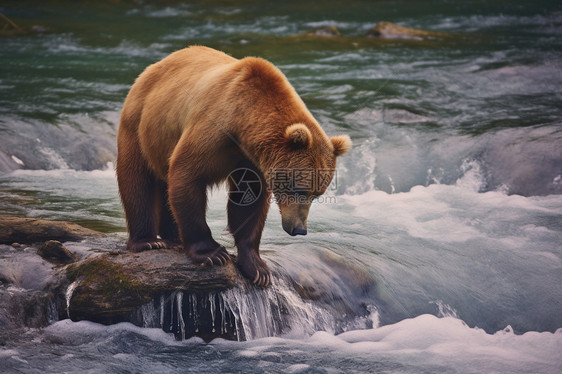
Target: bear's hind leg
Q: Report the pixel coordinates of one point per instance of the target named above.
(168, 229)
(137, 187)
(248, 203)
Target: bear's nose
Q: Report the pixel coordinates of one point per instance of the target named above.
(298, 231)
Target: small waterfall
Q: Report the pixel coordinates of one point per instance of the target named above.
(277, 310)
(52, 313)
(241, 313)
(68, 295)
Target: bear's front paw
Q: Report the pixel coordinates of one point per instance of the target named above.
(208, 254)
(255, 269)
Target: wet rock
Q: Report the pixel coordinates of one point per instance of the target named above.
(32, 230)
(324, 31)
(53, 250)
(21, 308)
(109, 288)
(315, 283)
(27, 291)
(350, 272)
(106, 285)
(390, 30)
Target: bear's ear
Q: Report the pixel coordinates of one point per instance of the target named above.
(298, 135)
(341, 144)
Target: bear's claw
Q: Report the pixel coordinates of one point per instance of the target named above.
(255, 269)
(220, 258)
(261, 280)
(146, 245)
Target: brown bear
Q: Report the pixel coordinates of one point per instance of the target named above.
(200, 117)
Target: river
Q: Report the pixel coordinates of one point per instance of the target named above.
(437, 248)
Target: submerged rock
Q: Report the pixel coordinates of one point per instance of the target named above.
(390, 30)
(33, 230)
(21, 308)
(27, 291)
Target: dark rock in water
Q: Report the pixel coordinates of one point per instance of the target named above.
(21, 309)
(32, 230)
(324, 31)
(390, 30)
(53, 250)
(110, 287)
(27, 291)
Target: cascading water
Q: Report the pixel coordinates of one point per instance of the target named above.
(245, 313)
(68, 295)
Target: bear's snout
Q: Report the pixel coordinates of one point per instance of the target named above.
(293, 218)
(298, 231)
(294, 228)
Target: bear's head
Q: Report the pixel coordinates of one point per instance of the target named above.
(303, 172)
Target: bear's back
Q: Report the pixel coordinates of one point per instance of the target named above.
(202, 95)
(164, 99)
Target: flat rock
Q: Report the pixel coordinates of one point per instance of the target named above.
(108, 288)
(33, 230)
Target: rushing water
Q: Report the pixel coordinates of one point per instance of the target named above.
(439, 248)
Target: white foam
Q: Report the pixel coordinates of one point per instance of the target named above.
(93, 330)
(298, 368)
(247, 353)
(449, 338)
(64, 172)
(54, 158)
(449, 213)
(422, 341)
(8, 352)
(472, 177)
(168, 12)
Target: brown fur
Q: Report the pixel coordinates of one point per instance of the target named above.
(187, 123)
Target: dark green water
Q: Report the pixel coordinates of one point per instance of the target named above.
(492, 86)
(450, 198)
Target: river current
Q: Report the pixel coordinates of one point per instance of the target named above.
(438, 247)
